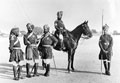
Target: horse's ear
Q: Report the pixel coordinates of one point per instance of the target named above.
(87, 21)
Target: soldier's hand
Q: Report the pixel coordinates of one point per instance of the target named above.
(10, 49)
(105, 51)
(54, 45)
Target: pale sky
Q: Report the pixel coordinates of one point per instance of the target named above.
(39, 12)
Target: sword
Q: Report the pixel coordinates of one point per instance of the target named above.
(54, 64)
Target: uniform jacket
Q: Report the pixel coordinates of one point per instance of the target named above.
(106, 42)
(59, 24)
(47, 41)
(30, 40)
(16, 54)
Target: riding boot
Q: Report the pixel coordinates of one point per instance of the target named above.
(43, 64)
(15, 73)
(19, 72)
(35, 70)
(47, 73)
(108, 68)
(63, 46)
(105, 65)
(27, 70)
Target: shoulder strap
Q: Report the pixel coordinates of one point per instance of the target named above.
(16, 41)
(46, 35)
(30, 35)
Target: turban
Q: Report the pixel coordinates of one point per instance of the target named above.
(14, 31)
(46, 27)
(59, 13)
(30, 25)
(105, 27)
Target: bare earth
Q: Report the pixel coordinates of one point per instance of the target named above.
(86, 63)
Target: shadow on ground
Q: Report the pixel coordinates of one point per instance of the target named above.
(6, 71)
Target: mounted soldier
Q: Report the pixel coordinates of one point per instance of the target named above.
(16, 54)
(45, 47)
(60, 27)
(32, 56)
(105, 44)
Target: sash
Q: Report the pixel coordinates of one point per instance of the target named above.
(46, 35)
(30, 35)
(16, 41)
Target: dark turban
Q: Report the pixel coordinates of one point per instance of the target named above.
(14, 31)
(59, 13)
(105, 27)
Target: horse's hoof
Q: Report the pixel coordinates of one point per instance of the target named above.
(69, 71)
(73, 69)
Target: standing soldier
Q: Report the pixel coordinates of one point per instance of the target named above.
(60, 27)
(45, 46)
(31, 41)
(105, 44)
(16, 54)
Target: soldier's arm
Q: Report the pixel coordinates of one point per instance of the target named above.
(55, 41)
(111, 44)
(55, 24)
(63, 25)
(12, 39)
(26, 42)
(100, 45)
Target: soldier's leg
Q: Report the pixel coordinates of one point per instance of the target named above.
(36, 67)
(47, 73)
(105, 66)
(43, 64)
(109, 68)
(15, 70)
(28, 69)
(21, 63)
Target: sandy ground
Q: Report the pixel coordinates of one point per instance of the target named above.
(86, 63)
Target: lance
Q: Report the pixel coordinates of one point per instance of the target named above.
(102, 34)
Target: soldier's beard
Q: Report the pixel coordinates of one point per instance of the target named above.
(59, 18)
(29, 31)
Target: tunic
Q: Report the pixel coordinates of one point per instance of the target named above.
(106, 42)
(47, 41)
(16, 54)
(59, 25)
(30, 40)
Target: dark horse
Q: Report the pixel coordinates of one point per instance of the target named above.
(70, 40)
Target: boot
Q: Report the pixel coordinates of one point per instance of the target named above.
(105, 65)
(108, 69)
(35, 70)
(63, 46)
(47, 73)
(43, 64)
(19, 72)
(15, 73)
(27, 70)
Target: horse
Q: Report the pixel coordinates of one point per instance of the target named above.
(71, 39)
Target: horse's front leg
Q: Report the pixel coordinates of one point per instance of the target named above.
(68, 68)
(72, 60)
(69, 61)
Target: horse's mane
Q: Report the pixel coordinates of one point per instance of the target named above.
(77, 31)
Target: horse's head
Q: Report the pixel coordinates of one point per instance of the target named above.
(86, 30)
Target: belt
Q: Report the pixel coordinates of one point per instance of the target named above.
(33, 45)
(16, 48)
(46, 45)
